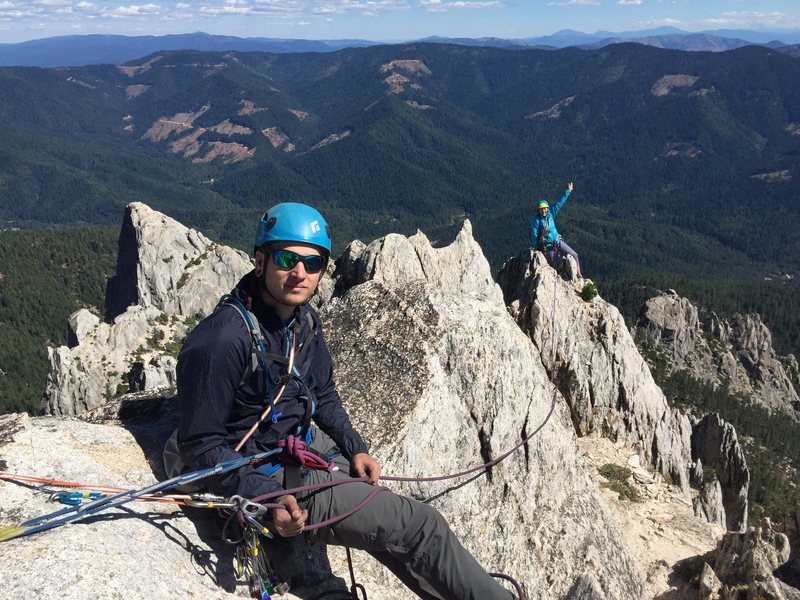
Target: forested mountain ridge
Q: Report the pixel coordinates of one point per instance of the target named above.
(685, 164)
(427, 133)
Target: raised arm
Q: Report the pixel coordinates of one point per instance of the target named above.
(562, 200)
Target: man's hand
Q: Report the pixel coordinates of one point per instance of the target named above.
(289, 522)
(364, 465)
(570, 186)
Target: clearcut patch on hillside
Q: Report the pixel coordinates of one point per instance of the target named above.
(334, 137)
(277, 138)
(189, 144)
(397, 82)
(248, 108)
(135, 90)
(554, 112)
(774, 176)
(667, 83)
(135, 70)
(683, 149)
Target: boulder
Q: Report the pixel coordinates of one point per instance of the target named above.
(752, 558)
(80, 323)
(590, 355)
(435, 374)
(737, 353)
(715, 444)
(167, 277)
(709, 584)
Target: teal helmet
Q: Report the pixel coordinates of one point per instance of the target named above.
(543, 204)
(293, 222)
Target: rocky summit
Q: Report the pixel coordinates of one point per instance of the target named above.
(737, 352)
(440, 369)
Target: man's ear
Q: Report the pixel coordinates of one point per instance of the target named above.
(260, 263)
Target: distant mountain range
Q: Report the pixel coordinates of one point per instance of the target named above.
(685, 164)
(81, 50)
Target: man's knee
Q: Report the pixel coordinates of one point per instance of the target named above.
(426, 532)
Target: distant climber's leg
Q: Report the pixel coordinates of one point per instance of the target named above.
(567, 250)
(411, 538)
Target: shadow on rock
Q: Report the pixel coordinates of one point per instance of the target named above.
(151, 417)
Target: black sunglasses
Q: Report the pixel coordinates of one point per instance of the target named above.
(286, 259)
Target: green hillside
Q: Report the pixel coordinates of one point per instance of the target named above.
(429, 133)
(45, 275)
(685, 164)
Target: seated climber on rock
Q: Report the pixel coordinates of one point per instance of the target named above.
(229, 371)
(545, 237)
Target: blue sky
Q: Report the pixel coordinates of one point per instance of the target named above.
(384, 20)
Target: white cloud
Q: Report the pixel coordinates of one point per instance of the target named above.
(182, 5)
(441, 6)
(134, 10)
(574, 3)
(756, 18)
(732, 20)
(630, 2)
(226, 10)
(19, 10)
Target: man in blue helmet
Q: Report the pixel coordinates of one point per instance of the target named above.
(222, 397)
(544, 236)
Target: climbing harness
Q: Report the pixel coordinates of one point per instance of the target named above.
(259, 359)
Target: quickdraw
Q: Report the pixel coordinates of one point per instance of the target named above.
(250, 563)
(75, 512)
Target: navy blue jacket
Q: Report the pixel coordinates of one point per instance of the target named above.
(216, 408)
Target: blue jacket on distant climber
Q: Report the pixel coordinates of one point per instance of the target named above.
(223, 391)
(544, 235)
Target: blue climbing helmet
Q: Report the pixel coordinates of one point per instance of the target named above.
(293, 222)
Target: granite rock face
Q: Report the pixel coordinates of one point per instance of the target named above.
(167, 277)
(593, 359)
(715, 445)
(708, 503)
(425, 350)
(164, 264)
(93, 372)
(753, 558)
(431, 354)
(736, 352)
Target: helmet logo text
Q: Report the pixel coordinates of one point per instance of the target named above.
(314, 226)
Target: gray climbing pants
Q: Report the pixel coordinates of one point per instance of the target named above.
(410, 538)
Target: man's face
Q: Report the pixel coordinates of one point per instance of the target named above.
(290, 286)
(543, 211)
